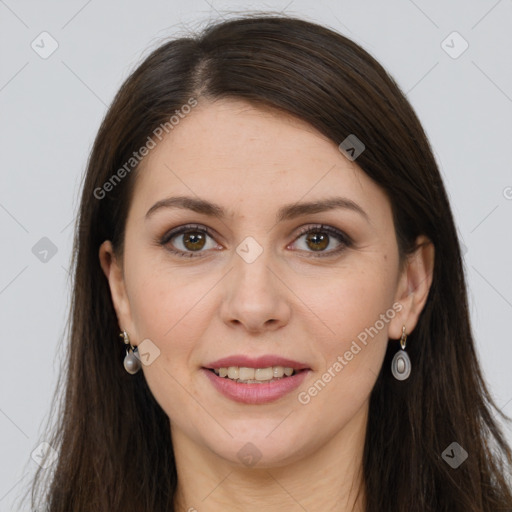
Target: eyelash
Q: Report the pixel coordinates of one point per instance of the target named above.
(344, 239)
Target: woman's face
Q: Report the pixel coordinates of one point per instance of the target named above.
(260, 286)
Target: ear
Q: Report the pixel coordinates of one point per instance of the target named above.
(413, 287)
(113, 271)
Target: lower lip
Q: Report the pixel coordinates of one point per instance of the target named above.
(256, 393)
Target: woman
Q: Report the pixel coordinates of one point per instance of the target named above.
(270, 309)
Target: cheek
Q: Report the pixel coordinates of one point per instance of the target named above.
(165, 308)
(170, 306)
(161, 295)
(355, 309)
(354, 298)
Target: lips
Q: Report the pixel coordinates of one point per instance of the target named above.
(265, 361)
(255, 394)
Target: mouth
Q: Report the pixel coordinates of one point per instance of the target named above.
(247, 375)
(255, 380)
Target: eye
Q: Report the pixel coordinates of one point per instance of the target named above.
(319, 238)
(192, 239)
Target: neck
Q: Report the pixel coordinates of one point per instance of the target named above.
(328, 479)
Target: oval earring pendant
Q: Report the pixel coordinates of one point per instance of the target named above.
(131, 363)
(401, 365)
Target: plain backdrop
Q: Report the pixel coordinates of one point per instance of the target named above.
(452, 59)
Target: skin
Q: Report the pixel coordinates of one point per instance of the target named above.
(288, 302)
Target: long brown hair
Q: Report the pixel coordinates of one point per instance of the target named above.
(115, 450)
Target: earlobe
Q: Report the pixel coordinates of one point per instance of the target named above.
(114, 274)
(414, 286)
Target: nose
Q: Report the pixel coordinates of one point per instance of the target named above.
(255, 296)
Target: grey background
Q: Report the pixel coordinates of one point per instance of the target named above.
(51, 109)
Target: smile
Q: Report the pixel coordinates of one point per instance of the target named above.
(254, 375)
(252, 391)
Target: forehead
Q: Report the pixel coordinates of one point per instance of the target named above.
(247, 157)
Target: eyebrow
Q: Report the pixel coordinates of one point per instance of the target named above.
(287, 212)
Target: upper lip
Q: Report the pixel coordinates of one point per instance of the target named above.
(265, 361)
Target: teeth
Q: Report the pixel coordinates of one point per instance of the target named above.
(233, 372)
(264, 373)
(246, 373)
(254, 375)
(278, 371)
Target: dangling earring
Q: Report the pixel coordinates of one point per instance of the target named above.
(131, 361)
(401, 364)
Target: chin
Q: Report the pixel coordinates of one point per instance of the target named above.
(258, 450)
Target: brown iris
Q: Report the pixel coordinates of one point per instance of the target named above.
(318, 238)
(195, 238)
